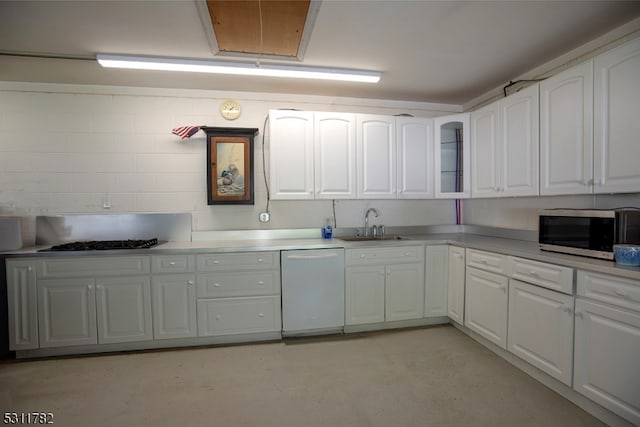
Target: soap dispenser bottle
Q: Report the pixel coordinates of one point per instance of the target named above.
(327, 230)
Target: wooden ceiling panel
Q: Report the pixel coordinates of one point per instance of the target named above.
(237, 25)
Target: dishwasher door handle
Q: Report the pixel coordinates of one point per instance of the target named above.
(323, 256)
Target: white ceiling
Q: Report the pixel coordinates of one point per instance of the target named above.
(430, 51)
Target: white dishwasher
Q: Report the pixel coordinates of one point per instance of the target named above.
(312, 291)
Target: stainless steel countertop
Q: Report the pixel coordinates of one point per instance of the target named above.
(514, 247)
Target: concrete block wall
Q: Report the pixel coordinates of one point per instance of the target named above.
(75, 149)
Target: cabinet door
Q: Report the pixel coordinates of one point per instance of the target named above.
(616, 124)
(452, 157)
(404, 292)
(541, 329)
(566, 132)
(22, 304)
(66, 312)
(335, 155)
(174, 306)
(291, 154)
(124, 309)
(435, 284)
(486, 305)
(364, 298)
(414, 139)
(519, 144)
(376, 154)
(485, 143)
(455, 288)
(607, 350)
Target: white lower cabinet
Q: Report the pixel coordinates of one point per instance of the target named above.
(238, 293)
(67, 312)
(173, 293)
(435, 284)
(22, 304)
(174, 306)
(404, 292)
(455, 284)
(486, 305)
(607, 342)
(541, 328)
(384, 294)
(384, 285)
(82, 311)
(124, 309)
(364, 299)
(607, 351)
(227, 316)
(92, 300)
(76, 301)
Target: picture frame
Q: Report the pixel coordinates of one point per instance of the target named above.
(230, 165)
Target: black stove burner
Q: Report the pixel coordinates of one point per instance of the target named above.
(104, 245)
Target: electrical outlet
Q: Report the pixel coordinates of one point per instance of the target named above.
(106, 202)
(264, 217)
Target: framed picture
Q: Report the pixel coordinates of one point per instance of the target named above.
(230, 165)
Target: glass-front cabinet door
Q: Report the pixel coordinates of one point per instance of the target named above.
(452, 157)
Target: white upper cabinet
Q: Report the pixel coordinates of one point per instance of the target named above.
(616, 124)
(452, 177)
(521, 141)
(334, 155)
(291, 154)
(566, 132)
(504, 146)
(325, 155)
(485, 133)
(414, 141)
(376, 154)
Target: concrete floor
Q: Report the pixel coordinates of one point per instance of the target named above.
(420, 377)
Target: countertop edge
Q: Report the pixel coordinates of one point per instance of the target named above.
(505, 246)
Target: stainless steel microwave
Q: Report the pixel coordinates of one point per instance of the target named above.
(588, 232)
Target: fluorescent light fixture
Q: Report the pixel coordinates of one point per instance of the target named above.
(237, 68)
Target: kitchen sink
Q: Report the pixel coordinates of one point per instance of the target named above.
(371, 238)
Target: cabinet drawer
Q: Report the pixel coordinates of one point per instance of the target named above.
(381, 255)
(238, 284)
(93, 266)
(238, 261)
(548, 276)
(488, 261)
(610, 289)
(229, 316)
(172, 263)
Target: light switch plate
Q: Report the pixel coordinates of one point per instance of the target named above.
(264, 217)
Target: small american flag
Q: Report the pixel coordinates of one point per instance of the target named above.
(185, 132)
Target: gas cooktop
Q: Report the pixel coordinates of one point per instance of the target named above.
(104, 245)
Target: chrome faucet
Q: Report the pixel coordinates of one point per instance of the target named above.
(366, 219)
